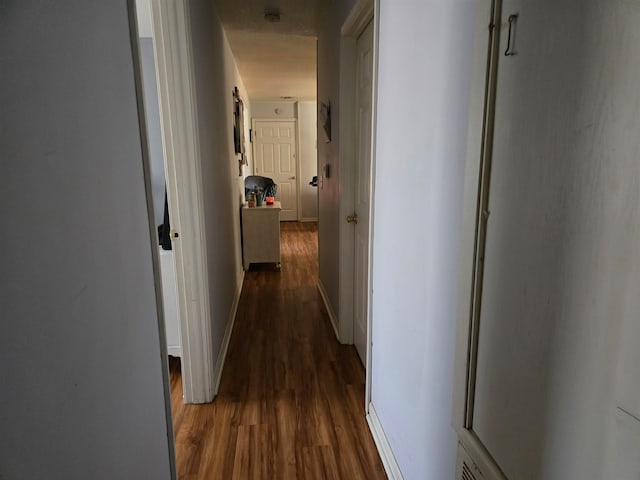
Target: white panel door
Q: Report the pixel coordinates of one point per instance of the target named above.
(364, 85)
(275, 157)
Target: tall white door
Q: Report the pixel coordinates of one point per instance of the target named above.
(275, 157)
(364, 86)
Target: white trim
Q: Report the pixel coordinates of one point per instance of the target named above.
(178, 118)
(327, 305)
(309, 219)
(358, 18)
(222, 354)
(389, 461)
(372, 175)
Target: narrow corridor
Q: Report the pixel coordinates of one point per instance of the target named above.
(291, 399)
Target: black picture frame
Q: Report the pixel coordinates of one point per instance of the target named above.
(325, 119)
(238, 130)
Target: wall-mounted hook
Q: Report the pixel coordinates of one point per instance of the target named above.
(512, 19)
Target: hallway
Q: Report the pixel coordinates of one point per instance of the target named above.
(291, 398)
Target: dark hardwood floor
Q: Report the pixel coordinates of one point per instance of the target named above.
(291, 399)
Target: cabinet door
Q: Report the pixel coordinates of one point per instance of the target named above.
(261, 235)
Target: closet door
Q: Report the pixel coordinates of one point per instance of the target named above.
(529, 222)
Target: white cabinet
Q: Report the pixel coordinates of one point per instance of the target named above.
(261, 234)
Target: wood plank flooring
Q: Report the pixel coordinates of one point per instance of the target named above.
(291, 399)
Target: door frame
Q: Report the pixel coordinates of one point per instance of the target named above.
(363, 12)
(297, 152)
(172, 44)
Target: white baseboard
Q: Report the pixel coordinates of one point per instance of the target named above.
(222, 355)
(327, 305)
(309, 219)
(391, 466)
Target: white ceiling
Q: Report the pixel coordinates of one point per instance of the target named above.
(298, 17)
(274, 59)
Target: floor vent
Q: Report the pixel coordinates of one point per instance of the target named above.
(466, 472)
(466, 467)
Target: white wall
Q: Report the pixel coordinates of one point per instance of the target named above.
(329, 217)
(307, 126)
(80, 350)
(425, 54)
(274, 109)
(559, 328)
(216, 75)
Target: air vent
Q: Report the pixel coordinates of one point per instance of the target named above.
(466, 467)
(467, 474)
(272, 16)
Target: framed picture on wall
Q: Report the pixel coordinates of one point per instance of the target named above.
(238, 130)
(325, 119)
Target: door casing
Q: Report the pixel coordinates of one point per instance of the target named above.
(178, 118)
(363, 12)
(362, 189)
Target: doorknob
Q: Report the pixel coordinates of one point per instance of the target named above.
(173, 234)
(352, 218)
(292, 178)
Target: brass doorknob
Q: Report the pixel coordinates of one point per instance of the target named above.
(292, 178)
(352, 218)
(173, 234)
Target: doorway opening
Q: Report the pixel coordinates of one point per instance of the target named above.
(284, 138)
